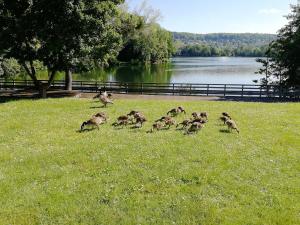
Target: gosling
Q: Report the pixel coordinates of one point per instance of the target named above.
(95, 121)
(225, 114)
(108, 95)
(169, 122)
(176, 111)
(195, 128)
(135, 115)
(139, 117)
(156, 126)
(101, 114)
(184, 124)
(232, 126)
(121, 121)
(105, 100)
(199, 120)
(140, 121)
(203, 115)
(163, 119)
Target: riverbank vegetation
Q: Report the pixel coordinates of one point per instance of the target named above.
(51, 174)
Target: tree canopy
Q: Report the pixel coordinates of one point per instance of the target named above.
(63, 34)
(284, 53)
(148, 43)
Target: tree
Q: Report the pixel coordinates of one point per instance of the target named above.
(18, 34)
(148, 42)
(79, 34)
(285, 51)
(9, 68)
(66, 35)
(266, 70)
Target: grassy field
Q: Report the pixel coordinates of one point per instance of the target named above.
(52, 174)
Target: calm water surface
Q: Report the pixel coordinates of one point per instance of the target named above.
(212, 70)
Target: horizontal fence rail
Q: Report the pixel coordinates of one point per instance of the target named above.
(223, 90)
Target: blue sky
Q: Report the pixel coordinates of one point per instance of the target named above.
(213, 16)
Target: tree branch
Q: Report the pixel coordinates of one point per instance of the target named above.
(51, 78)
(31, 73)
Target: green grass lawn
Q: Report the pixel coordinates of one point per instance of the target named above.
(52, 174)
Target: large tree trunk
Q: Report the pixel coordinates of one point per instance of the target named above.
(51, 78)
(68, 80)
(31, 72)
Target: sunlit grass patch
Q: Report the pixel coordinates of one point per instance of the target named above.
(52, 174)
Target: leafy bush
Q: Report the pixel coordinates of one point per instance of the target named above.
(9, 68)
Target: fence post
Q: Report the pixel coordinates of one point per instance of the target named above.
(225, 90)
(242, 90)
(173, 89)
(142, 86)
(280, 91)
(260, 91)
(96, 84)
(207, 90)
(190, 89)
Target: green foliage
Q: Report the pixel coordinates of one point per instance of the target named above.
(9, 68)
(225, 39)
(212, 50)
(285, 51)
(244, 45)
(266, 70)
(51, 174)
(151, 44)
(63, 34)
(146, 41)
(79, 33)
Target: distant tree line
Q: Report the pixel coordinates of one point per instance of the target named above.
(210, 50)
(223, 39)
(222, 44)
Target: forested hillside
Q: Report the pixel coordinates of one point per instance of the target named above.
(222, 44)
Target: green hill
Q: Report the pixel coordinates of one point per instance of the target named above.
(222, 44)
(225, 38)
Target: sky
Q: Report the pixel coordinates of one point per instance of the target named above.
(215, 16)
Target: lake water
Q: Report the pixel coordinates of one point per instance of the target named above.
(212, 70)
(215, 70)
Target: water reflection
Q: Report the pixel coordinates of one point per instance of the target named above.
(144, 73)
(213, 70)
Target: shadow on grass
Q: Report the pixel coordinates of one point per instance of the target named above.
(225, 131)
(136, 128)
(98, 107)
(86, 130)
(179, 128)
(191, 133)
(29, 94)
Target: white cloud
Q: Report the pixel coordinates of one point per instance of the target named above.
(270, 11)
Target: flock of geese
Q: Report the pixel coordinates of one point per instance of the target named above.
(136, 118)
